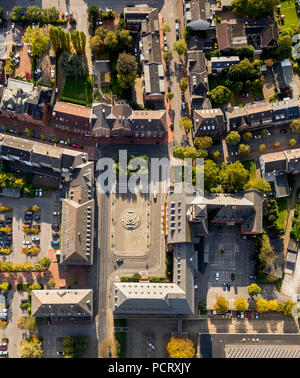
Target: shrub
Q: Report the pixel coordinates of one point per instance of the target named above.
(5, 208)
(5, 251)
(45, 262)
(276, 144)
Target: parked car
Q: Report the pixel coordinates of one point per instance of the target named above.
(12, 131)
(256, 315)
(232, 277)
(24, 300)
(55, 235)
(249, 315)
(28, 217)
(7, 242)
(177, 35)
(182, 96)
(29, 212)
(56, 213)
(36, 217)
(60, 353)
(228, 286)
(224, 286)
(283, 131)
(183, 106)
(151, 346)
(220, 229)
(52, 73)
(30, 53)
(252, 257)
(40, 192)
(252, 277)
(26, 242)
(154, 195)
(242, 315)
(35, 239)
(120, 260)
(217, 276)
(135, 52)
(8, 217)
(55, 227)
(238, 315)
(3, 353)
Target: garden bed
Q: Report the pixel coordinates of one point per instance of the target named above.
(282, 207)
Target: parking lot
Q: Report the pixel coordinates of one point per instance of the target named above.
(141, 332)
(48, 203)
(229, 265)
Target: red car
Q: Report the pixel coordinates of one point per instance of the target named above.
(28, 74)
(3, 347)
(249, 315)
(62, 15)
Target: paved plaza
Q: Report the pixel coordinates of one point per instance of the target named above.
(130, 224)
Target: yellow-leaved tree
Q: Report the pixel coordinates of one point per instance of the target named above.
(180, 347)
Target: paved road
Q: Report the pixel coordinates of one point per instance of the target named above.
(108, 269)
(171, 10)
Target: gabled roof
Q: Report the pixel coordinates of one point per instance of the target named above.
(62, 303)
(269, 36)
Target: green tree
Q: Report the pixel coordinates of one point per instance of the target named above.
(287, 308)
(38, 39)
(93, 15)
(215, 155)
(111, 41)
(51, 283)
(180, 347)
(266, 252)
(246, 136)
(240, 304)
(16, 14)
(180, 47)
(183, 84)
(21, 322)
(233, 177)
(34, 14)
(254, 290)
(78, 41)
(60, 39)
(233, 138)
(124, 40)
(186, 124)
(245, 70)
(45, 262)
(191, 152)
(165, 28)
(221, 304)
(260, 184)
(170, 96)
(284, 47)
(292, 142)
(264, 133)
(72, 64)
(126, 67)
(262, 305)
(168, 55)
(178, 152)
(211, 172)
(295, 126)
(244, 149)
(276, 144)
(203, 142)
(255, 8)
(220, 94)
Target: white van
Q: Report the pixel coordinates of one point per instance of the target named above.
(154, 195)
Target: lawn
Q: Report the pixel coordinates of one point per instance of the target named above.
(79, 90)
(251, 167)
(289, 10)
(282, 207)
